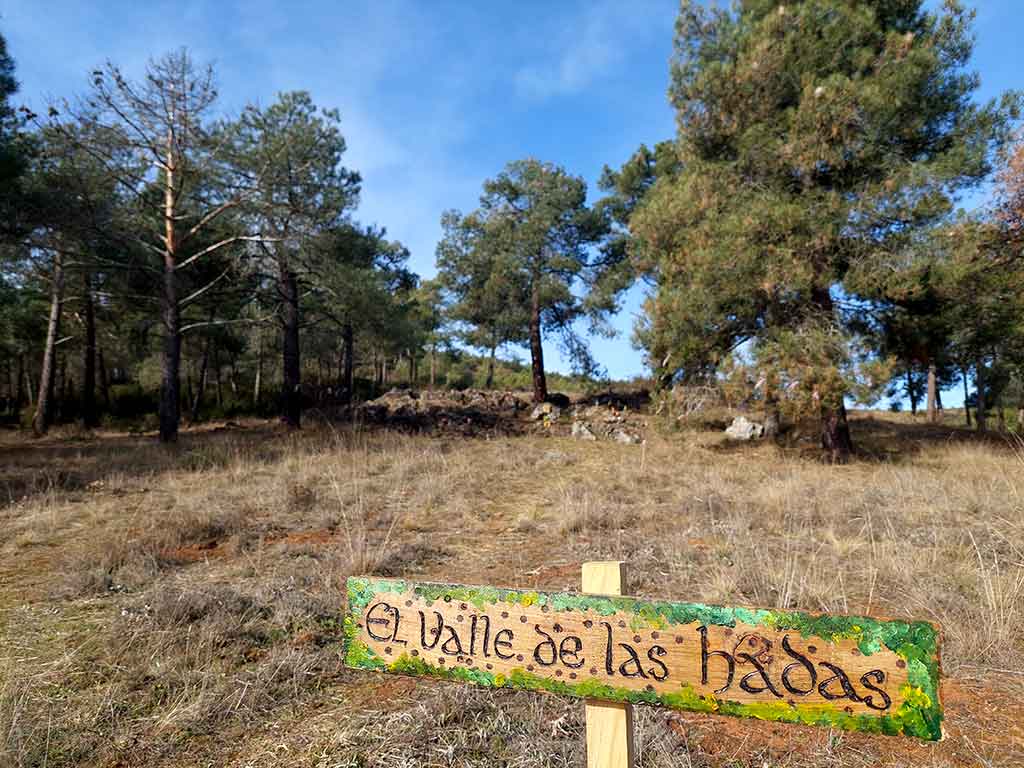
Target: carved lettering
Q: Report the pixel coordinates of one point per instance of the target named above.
(515, 642)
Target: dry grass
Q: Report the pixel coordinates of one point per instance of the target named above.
(181, 607)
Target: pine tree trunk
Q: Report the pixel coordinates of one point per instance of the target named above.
(981, 417)
(170, 408)
(967, 409)
(44, 402)
(216, 377)
(9, 370)
(59, 391)
(19, 398)
(772, 416)
(933, 412)
(911, 391)
(540, 384)
(204, 362)
(291, 396)
(835, 435)
(490, 370)
(257, 386)
(433, 365)
(101, 366)
(65, 404)
(170, 384)
(835, 430)
(88, 407)
(347, 367)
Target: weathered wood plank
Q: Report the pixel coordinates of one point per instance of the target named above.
(851, 672)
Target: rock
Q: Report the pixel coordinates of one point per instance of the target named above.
(581, 431)
(624, 437)
(545, 411)
(744, 429)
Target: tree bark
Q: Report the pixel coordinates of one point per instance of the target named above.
(258, 383)
(204, 363)
(89, 415)
(835, 434)
(170, 407)
(170, 384)
(216, 376)
(19, 397)
(104, 380)
(933, 412)
(540, 383)
(44, 402)
(490, 370)
(981, 417)
(347, 364)
(291, 395)
(911, 391)
(9, 371)
(772, 416)
(835, 430)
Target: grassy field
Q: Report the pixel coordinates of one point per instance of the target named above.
(181, 607)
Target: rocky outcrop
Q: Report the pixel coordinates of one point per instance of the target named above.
(743, 429)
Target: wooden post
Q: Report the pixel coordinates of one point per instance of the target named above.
(609, 724)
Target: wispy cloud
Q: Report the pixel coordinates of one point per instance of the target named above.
(427, 92)
(592, 44)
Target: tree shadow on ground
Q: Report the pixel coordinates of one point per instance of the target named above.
(878, 438)
(65, 462)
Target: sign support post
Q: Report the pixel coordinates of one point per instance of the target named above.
(609, 724)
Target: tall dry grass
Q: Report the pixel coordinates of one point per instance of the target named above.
(182, 607)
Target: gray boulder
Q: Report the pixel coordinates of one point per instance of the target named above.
(744, 429)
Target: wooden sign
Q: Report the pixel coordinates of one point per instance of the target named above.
(850, 672)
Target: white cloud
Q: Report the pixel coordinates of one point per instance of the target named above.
(593, 44)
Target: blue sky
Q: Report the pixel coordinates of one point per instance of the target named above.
(435, 95)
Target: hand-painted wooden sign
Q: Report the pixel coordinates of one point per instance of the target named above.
(849, 672)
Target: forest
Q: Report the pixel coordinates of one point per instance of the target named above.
(801, 238)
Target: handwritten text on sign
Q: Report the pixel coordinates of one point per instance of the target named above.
(847, 672)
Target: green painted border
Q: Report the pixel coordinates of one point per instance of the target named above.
(917, 643)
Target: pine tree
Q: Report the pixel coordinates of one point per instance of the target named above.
(533, 235)
(814, 137)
